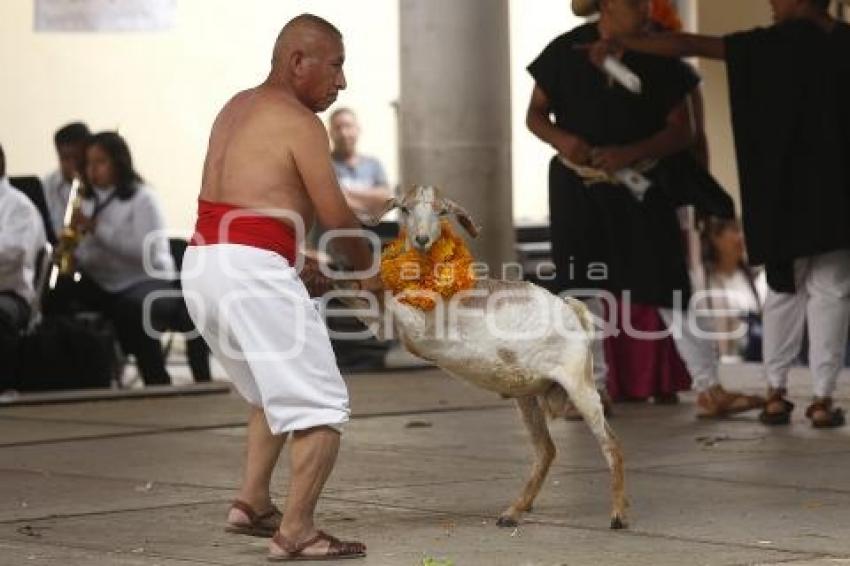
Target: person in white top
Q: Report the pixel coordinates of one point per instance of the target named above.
(123, 257)
(70, 141)
(731, 289)
(21, 238)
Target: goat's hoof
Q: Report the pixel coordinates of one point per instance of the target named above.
(618, 523)
(506, 522)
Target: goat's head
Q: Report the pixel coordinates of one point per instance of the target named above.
(422, 209)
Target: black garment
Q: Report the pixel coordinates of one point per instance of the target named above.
(126, 311)
(14, 316)
(639, 242)
(789, 88)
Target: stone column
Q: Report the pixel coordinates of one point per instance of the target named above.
(455, 115)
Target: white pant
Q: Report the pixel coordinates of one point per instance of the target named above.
(823, 300)
(255, 314)
(699, 353)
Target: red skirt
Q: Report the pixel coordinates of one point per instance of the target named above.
(639, 368)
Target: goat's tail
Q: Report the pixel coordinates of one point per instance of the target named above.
(555, 400)
(582, 312)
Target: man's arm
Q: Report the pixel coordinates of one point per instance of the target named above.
(367, 200)
(677, 136)
(21, 238)
(674, 45)
(313, 161)
(538, 121)
(697, 105)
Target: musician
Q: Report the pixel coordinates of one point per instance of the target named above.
(122, 226)
(70, 141)
(21, 238)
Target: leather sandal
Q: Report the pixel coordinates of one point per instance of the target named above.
(777, 409)
(259, 525)
(824, 415)
(716, 402)
(337, 549)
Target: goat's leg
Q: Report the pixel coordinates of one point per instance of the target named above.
(544, 449)
(582, 391)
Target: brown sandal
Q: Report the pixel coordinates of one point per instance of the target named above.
(264, 526)
(777, 409)
(716, 403)
(824, 415)
(337, 549)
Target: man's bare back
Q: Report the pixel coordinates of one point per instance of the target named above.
(250, 161)
(268, 149)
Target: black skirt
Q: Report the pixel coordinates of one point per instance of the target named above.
(604, 238)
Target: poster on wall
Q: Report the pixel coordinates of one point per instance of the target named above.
(105, 15)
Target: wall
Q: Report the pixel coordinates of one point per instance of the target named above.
(163, 89)
(533, 26)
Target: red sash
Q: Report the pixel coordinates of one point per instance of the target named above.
(254, 229)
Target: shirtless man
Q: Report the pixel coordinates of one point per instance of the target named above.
(268, 151)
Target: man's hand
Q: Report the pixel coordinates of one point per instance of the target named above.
(613, 159)
(575, 149)
(315, 281)
(601, 49)
(372, 285)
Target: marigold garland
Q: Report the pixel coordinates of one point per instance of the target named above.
(444, 270)
(666, 15)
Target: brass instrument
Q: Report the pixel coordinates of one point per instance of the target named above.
(63, 258)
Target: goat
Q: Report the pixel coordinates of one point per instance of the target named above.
(545, 360)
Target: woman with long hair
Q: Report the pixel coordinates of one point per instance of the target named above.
(731, 286)
(124, 255)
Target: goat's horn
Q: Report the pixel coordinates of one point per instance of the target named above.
(375, 218)
(463, 217)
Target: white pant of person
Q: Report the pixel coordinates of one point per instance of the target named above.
(259, 322)
(821, 302)
(699, 353)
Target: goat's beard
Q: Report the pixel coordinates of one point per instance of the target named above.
(422, 278)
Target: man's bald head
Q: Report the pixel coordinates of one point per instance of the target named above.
(308, 60)
(303, 33)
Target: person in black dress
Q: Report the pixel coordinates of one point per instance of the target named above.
(604, 237)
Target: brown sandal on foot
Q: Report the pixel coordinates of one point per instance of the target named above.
(716, 403)
(264, 526)
(337, 549)
(824, 415)
(777, 409)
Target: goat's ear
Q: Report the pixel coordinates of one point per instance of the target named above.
(375, 219)
(463, 217)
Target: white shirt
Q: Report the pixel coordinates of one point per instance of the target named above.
(56, 193)
(732, 291)
(114, 254)
(22, 237)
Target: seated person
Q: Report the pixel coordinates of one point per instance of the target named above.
(361, 178)
(21, 238)
(122, 225)
(70, 141)
(734, 288)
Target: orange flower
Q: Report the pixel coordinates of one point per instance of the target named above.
(665, 15)
(419, 278)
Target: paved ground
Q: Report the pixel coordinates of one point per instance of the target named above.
(427, 465)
